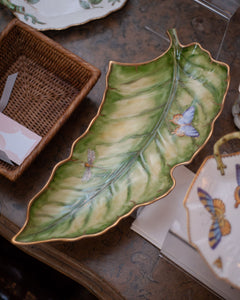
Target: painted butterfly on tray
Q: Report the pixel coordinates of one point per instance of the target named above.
(237, 190)
(220, 226)
(184, 123)
(88, 165)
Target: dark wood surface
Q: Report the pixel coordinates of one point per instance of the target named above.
(120, 264)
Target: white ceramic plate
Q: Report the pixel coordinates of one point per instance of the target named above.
(60, 14)
(214, 224)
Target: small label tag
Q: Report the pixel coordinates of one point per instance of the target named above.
(16, 141)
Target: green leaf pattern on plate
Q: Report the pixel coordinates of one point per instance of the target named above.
(20, 9)
(33, 1)
(87, 4)
(130, 150)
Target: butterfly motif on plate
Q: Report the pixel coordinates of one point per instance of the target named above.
(88, 165)
(183, 122)
(220, 226)
(237, 190)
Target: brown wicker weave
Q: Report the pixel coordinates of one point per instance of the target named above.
(51, 83)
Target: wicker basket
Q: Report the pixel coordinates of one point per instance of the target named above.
(51, 83)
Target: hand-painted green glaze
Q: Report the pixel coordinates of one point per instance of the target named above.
(127, 157)
(87, 4)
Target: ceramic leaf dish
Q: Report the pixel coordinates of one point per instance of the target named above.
(212, 204)
(60, 14)
(154, 116)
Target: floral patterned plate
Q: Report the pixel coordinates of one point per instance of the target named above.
(60, 14)
(212, 204)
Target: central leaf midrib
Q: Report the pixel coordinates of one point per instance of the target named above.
(118, 173)
(123, 169)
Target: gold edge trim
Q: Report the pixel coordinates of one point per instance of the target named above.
(188, 217)
(74, 24)
(87, 130)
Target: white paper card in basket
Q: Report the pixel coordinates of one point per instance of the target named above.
(16, 141)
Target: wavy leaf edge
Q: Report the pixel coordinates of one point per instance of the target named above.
(173, 40)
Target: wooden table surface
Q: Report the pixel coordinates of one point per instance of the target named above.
(120, 264)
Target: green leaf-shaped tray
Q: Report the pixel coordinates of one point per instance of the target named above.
(154, 116)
